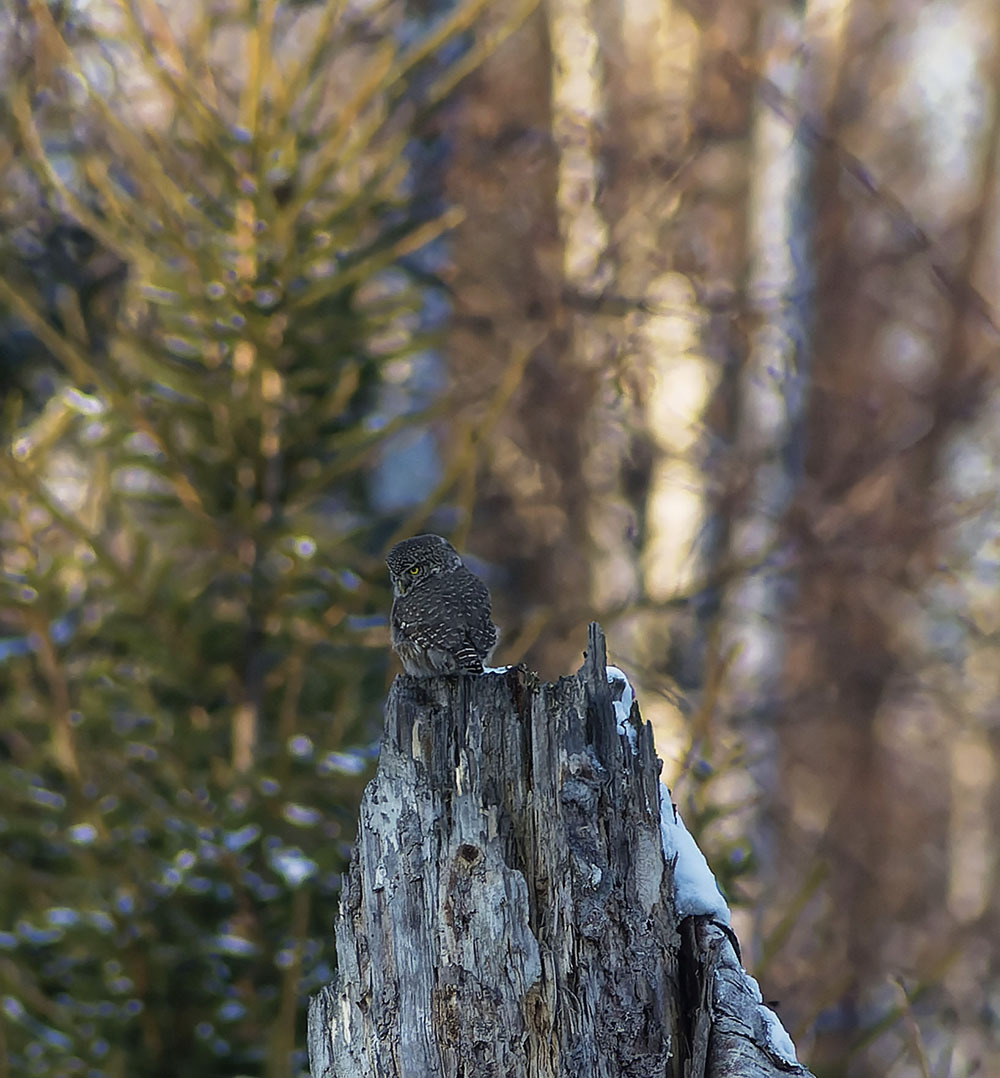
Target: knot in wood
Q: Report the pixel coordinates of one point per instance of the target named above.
(469, 854)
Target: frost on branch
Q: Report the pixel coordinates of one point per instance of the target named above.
(523, 900)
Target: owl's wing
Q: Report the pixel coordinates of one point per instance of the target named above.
(480, 633)
(433, 617)
(449, 616)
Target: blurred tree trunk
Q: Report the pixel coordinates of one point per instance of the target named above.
(510, 335)
(602, 160)
(852, 528)
(509, 909)
(867, 528)
(709, 244)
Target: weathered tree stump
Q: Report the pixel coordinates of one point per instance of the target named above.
(510, 910)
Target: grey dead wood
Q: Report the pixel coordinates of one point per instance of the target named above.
(508, 911)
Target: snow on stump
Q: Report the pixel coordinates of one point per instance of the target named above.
(523, 900)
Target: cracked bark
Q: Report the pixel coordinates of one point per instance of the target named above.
(509, 911)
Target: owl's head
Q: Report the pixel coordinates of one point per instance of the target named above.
(416, 560)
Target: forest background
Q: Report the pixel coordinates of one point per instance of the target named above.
(680, 316)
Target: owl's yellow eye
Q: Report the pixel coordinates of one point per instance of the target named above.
(414, 570)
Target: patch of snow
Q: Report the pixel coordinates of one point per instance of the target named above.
(230, 943)
(293, 865)
(345, 763)
(234, 841)
(83, 834)
(777, 1036)
(696, 892)
(623, 705)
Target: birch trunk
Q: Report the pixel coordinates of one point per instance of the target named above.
(509, 911)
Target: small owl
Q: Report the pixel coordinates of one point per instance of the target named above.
(441, 616)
